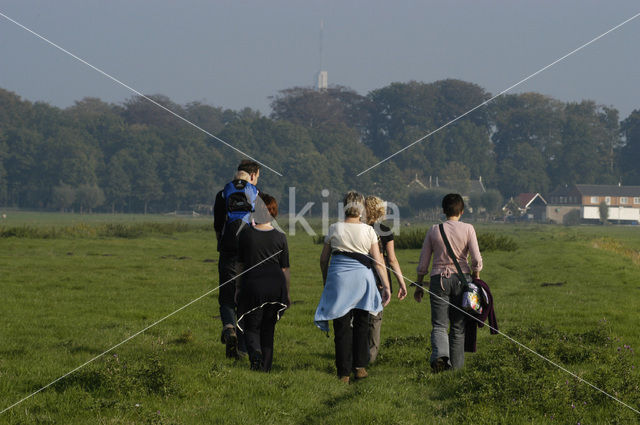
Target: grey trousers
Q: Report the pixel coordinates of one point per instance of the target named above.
(375, 323)
(443, 317)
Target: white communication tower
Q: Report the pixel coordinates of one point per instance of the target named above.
(322, 76)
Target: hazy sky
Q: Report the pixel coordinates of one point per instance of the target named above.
(238, 53)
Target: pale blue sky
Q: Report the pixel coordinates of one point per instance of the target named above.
(238, 53)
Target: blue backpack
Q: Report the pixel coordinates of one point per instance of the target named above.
(240, 197)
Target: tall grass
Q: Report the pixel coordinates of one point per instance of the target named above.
(105, 230)
(414, 239)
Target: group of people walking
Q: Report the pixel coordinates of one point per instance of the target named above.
(357, 261)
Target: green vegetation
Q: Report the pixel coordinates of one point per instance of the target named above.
(134, 157)
(488, 241)
(570, 293)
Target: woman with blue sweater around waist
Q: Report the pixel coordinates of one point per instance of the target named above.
(350, 293)
(445, 287)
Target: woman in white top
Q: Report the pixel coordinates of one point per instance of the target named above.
(350, 293)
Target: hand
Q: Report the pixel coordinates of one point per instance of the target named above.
(418, 294)
(402, 292)
(386, 296)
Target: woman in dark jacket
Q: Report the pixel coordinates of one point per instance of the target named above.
(263, 292)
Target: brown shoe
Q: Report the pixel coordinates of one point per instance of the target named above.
(361, 373)
(344, 379)
(231, 341)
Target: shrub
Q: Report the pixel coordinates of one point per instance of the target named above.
(572, 218)
(493, 242)
(411, 239)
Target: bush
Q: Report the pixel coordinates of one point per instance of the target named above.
(411, 239)
(493, 242)
(572, 218)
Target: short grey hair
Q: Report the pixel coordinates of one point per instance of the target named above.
(353, 204)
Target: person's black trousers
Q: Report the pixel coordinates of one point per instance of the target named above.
(352, 341)
(259, 327)
(228, 269)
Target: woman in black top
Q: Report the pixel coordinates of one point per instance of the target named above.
(263, 292)
(375, 209)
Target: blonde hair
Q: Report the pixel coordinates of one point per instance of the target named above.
(353, 204)
(375, 209)
(242, 175)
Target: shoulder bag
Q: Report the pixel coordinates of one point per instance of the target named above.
(470, 291)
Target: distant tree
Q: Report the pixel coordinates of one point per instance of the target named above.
(89, 196)
(147, 186)
(63, 196)
(4, 198)
(528, 118)
(603, 211)
(630, 152)
(586, 155)
(180, 176)
(491, 200)
(456, 177)
(208, 117)
(116, 181)
(23, 164)
(523, 170)
(427, 199)
(403, 113)
(139, 110)
(311, 108)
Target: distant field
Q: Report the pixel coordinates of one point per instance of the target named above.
(31, 218)
(571, 294)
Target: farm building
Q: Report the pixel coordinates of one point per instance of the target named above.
(531, 206)
(623, 202)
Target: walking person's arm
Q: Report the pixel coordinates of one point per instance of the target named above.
(324, 261)
(287, 279)
(395, 267)
(423, 267)
(476, 257)
(382, 272)
(239, 270)
(219, 214)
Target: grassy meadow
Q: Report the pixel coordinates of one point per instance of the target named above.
(73, 286)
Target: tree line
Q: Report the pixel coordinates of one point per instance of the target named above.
(136, 157)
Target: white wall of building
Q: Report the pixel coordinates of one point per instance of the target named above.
(615, 213)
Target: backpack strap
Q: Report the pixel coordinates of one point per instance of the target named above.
(461, 276)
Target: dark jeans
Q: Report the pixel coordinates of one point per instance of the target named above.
(352, 341)
(228, 269)
(259, 327)
(443, 316)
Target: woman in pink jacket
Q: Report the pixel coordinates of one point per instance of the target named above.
(445, 288)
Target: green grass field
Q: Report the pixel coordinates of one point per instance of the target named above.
(571, 294)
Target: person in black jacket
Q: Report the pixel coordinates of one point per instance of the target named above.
(227, 208)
